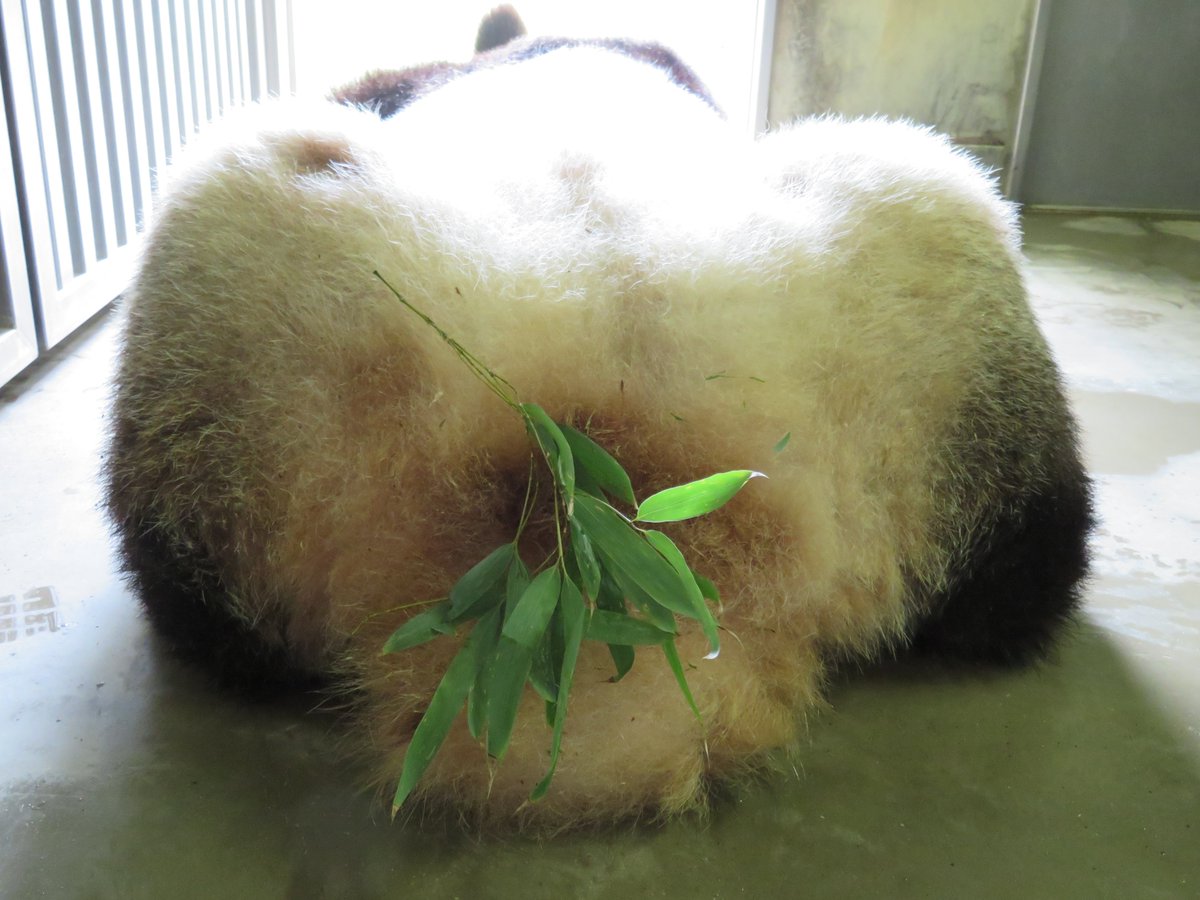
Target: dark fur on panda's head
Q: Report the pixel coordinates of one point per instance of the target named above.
(502, 41)
(498, 28)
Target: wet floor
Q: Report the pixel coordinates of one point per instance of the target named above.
(123, 776)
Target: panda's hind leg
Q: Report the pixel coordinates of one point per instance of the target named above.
(1019, 583)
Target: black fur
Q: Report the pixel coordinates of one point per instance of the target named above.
(499, 27)
(386, 93)
(1020, 586)
(188, 607)
(184, 597)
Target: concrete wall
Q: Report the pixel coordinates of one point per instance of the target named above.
(1116, 114)
(957, 65)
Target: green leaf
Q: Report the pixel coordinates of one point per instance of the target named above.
(599, 464)
(488, 630)
(515, 586)
(707, 588)
(585, 559)
(628, 553)
(677, 668)
(695, 498)
(586, 483)
(527, 622)
(510, 668)
(661, 617)
(621, 629)
(622, 657)
(574, 613)
(419, 629)
(610, 598)
(473, 594)
(783, 442)
(701, 612)
(435, 724)
(555, 446)
(547, 659)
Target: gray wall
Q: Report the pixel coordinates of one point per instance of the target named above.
(957, 65)
(1116, 116)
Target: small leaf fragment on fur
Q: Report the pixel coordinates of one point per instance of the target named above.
(782, 442)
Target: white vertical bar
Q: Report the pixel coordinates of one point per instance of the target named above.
(760, 77)
(1029, 90)
(96, 144)
(171, 75)
(220, 54)
(150, 115)
(177, 75)
(18, 338)
(243, 51)
(270, 46)
(80, 218)
(122, 138)
(123, 43)
(38, 145)
(255, 58)
(200, 72)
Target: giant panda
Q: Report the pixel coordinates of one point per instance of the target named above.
(297, 461)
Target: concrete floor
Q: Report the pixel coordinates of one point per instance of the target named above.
(122, 776)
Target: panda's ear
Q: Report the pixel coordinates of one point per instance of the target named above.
(498, 27)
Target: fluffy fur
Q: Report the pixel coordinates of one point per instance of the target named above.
(295, 457)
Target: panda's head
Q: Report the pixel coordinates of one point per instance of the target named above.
(502, 40)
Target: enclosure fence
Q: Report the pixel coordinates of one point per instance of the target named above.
(98, 96)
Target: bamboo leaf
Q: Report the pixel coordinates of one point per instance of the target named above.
(528, 621)
(707, 588)
(488, 630)
(621, 629)
(599, 464)
(695, 498)
(435, 724)
(622, 657)
(585, 482)
(547, 660)
(554, 444)
(472, 594)
(677, 668)
(419, 629)
(629, 555)
(574, 613)
(661, 617)
(783, 442)
(585, 559)
(510, 664)
(701, 613)
(611, 599)
(515, 585)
